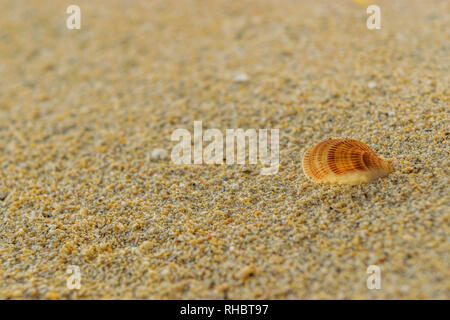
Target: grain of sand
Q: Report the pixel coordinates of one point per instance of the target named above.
(84, 115)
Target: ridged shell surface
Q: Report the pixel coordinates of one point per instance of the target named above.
(343, 161)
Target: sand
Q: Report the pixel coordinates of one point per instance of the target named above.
(84, 115)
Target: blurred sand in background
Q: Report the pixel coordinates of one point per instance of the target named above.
(81, 112)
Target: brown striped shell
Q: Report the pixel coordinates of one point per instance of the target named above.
(343, 161)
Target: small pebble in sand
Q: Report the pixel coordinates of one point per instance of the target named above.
(372, 85)
(234, 186)
(241, 77)
(158, 154)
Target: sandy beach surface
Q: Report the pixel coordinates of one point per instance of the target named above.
(87, 182)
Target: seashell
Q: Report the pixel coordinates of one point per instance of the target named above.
(343, 161)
